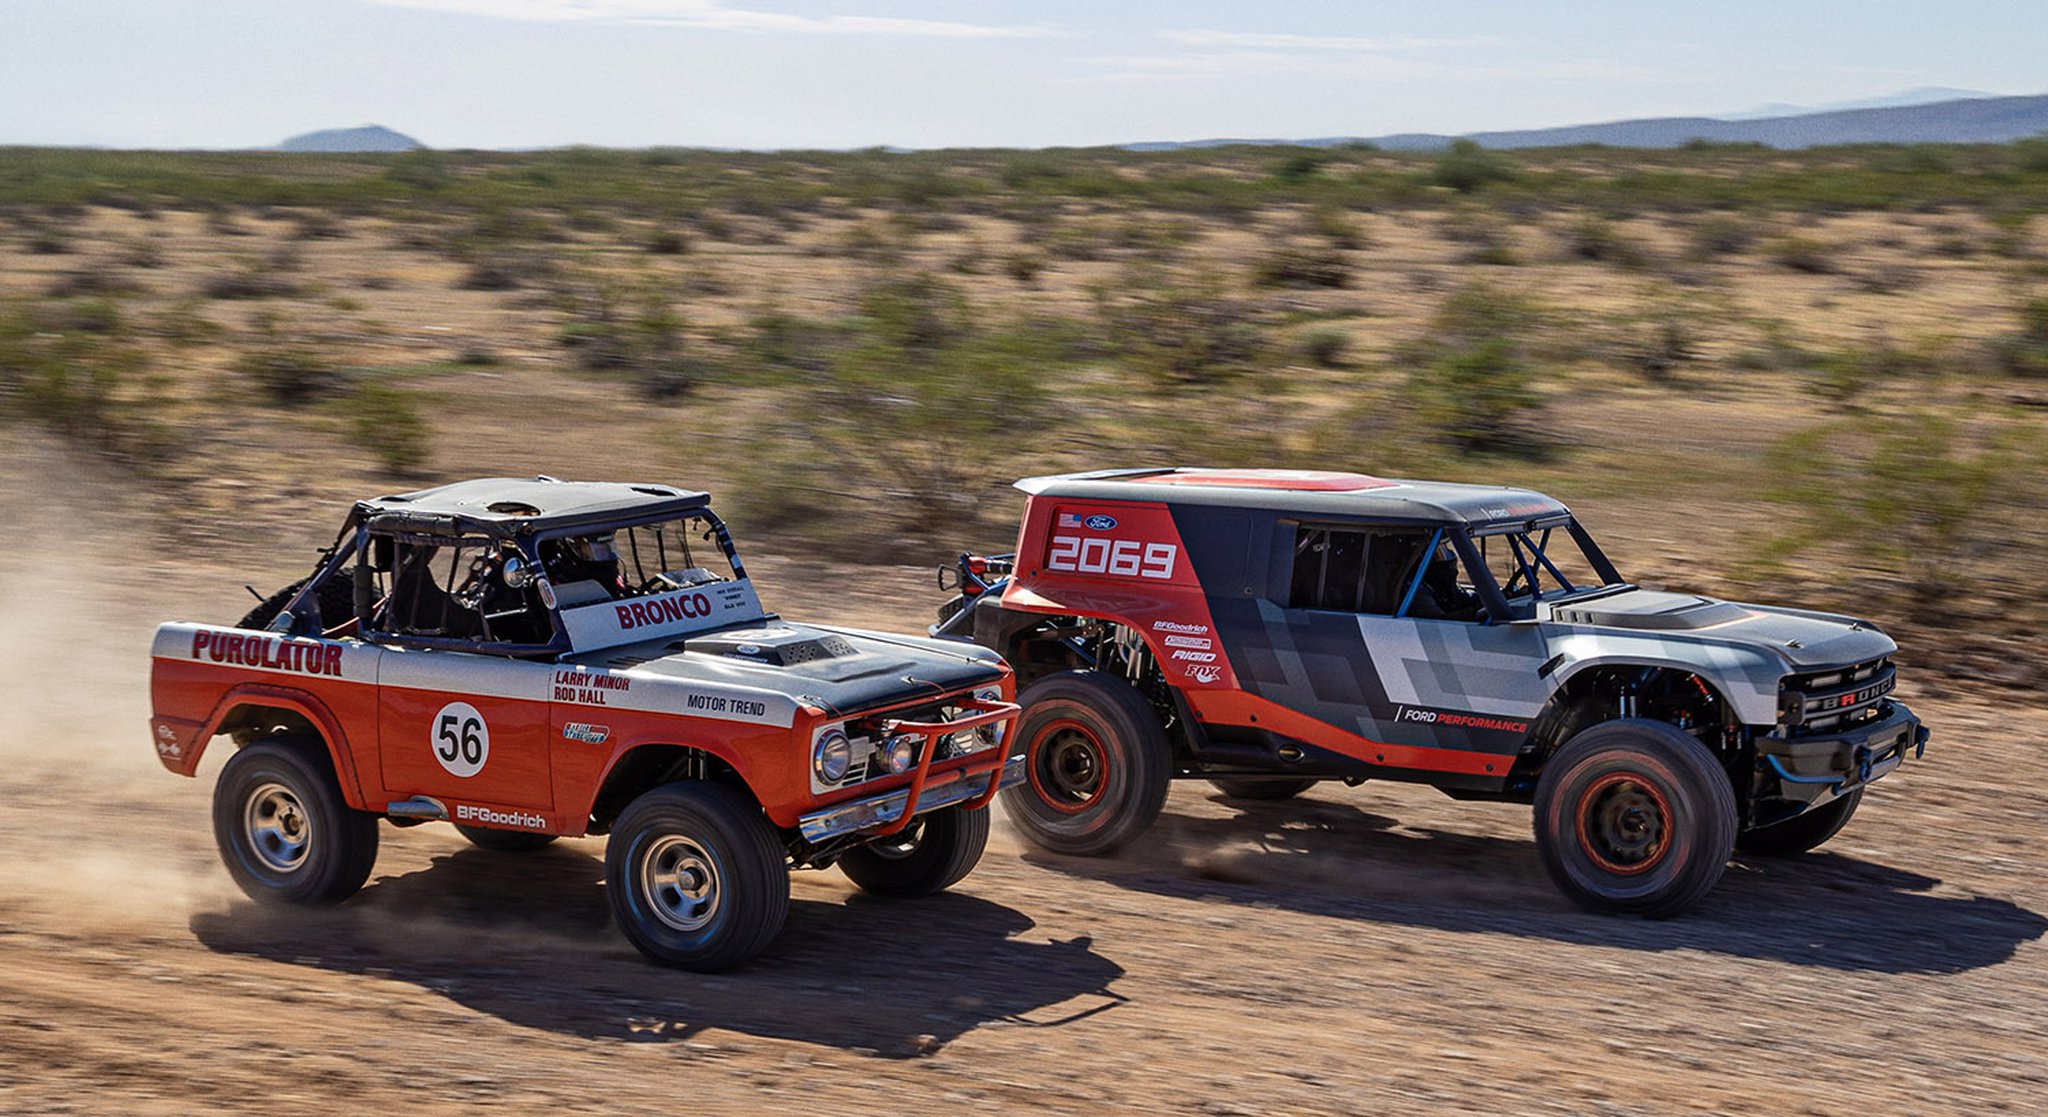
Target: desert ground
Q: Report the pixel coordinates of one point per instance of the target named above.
(1371, 950)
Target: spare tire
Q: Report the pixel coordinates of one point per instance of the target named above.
(336, 598)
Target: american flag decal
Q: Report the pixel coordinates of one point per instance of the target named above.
(1068, 519)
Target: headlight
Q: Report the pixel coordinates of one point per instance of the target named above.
(993, 732)
(832, 757)
(900, 753)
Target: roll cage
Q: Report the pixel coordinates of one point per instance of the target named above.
(367, 545)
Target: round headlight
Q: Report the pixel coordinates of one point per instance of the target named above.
(993, 732)
(901, 753)
(833, 756)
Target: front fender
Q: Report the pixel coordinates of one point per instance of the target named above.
(1745, 677)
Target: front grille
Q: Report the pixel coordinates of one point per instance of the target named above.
(1835, 699)
(868, 739)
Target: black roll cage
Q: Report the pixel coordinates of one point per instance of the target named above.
(352, 544)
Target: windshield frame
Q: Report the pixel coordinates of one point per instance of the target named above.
(1531, 541)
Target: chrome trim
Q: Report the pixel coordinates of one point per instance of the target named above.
(880, 810)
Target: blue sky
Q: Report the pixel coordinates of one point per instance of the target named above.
(922, 73)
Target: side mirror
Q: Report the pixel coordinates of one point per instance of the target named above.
(517, 574)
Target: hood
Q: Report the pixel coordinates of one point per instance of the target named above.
(1804, 639)
(843, 670)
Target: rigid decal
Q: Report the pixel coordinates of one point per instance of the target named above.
(460, 739)
(588, 734)
(588, 688)
(1455, 720)
(311, 657)
(525, 820)
(605, 624)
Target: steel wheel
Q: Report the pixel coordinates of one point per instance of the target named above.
(681, 881)
(1068, 766)
(1624, 823)
(1096, 764)
(278, 830)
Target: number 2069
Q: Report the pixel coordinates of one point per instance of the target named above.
(1128, 558)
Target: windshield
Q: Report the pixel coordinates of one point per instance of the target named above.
(629, 562)
(1544, 562)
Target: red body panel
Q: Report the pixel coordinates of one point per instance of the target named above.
(547, 735)
(1123, 562)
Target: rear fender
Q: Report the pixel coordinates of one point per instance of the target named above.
(181, 744)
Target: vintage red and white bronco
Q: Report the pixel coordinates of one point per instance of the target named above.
(537, 659)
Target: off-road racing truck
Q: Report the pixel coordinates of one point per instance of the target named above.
(534, 659)
(1268, 629)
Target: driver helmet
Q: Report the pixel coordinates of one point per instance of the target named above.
(591, 549)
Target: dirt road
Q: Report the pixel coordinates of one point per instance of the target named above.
(1377, 950)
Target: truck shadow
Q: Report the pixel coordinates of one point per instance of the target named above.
(1822, 909)
(527, 938)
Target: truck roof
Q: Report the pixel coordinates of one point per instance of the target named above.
(510, 505)
(1305, 492)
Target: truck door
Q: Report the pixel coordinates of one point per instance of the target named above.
(466, 728)
(1382, 626)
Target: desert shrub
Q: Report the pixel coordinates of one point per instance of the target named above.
(1339, 226)
(182, 323)
(911, 432)
(141, 252)
(1804, 254)
(1929, 500)
(95, 279)
(632, 330)
(1722, 235)
(1300, 166)
(1468, 167)
(252, 278)
(779, 342)
(1325, 348)
(1474, 381)
(1595, 238)
(386, 421)
(88, 386)
(1179, 330)
(2030, 155)
(668, 242)
(290, 375)
(320, 224)
(1294, 266)
(1025, 267)
(2024, 351)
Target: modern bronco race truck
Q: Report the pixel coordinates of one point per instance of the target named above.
(1269, 629)
(540, 659)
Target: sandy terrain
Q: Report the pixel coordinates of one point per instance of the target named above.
(1377, 950)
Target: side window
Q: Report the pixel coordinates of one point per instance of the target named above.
(1383, 571)
(454, 589)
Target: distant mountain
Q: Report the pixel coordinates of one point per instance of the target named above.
(370, 137)
(1970, 119)
(1925, 95)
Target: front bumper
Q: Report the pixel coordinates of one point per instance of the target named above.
(881, 811)
(1815, 769)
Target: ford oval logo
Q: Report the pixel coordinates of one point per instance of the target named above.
(1100, 523)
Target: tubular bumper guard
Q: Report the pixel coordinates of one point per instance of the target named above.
(1840, 762)
(973, 783)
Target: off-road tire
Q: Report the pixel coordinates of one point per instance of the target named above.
(336, 597)
(1635, 817)
(1805, 832)
(931, 855)
(696, 876)
(1096, 761)
(284, 831)
(504, 841)
(1237, 788)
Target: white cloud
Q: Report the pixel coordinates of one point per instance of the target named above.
(1265, 40)
(711, 15)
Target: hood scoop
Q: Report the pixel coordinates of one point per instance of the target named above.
(776, 647)
(1647, 609)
